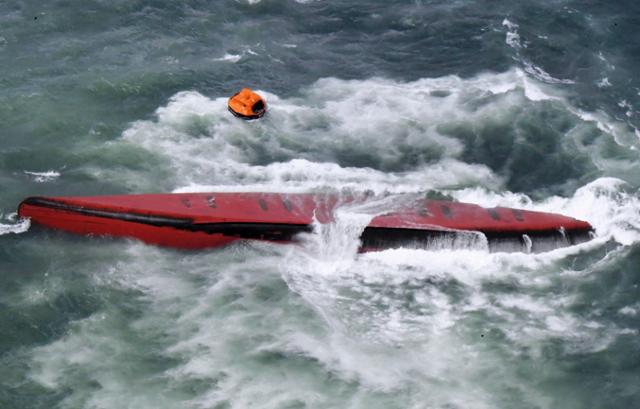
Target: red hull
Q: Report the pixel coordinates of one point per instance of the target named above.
(200, 220)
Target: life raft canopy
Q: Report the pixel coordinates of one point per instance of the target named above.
(246, 104)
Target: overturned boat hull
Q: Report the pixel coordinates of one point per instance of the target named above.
(201, 220)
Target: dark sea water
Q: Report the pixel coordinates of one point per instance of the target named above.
(531, 104)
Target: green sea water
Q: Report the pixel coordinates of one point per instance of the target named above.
(521, 104)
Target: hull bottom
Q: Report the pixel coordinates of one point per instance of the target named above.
(179, 230)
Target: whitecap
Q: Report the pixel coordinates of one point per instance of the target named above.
(603, 83)
(233, 58)
(626, 105)
(43, 177)
(630, 311)
(514, 41)
(512, 38)
(20, 226)
(544, 76)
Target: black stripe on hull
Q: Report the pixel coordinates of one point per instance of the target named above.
(159, 221)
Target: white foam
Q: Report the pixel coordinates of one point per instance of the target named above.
(626, 105)
(535, 91)
(514, 41)
(608, 65)
(365, 300)
(16, 227)
(299, 175)
(618, 130)
(333, 118)
(542, 75)
(233, 58)
(603, 83)
(43, 177)
(513, 38)
(631, 311)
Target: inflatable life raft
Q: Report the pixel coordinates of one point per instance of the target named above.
(200, 220)
(246, 104)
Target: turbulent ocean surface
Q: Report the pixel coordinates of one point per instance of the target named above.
(525, 103)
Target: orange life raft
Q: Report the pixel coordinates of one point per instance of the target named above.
(246, 104)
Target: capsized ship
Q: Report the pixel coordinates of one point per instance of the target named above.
(202, 220)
